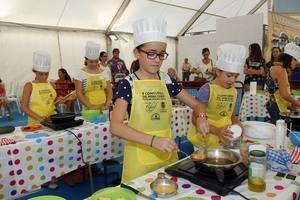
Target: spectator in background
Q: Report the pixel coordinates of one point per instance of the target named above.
(275, 53)
(117, 67)
(4, 104)
(63, 86)
(255, 67)
(134, 66)
(186, 70)
(173, 74)
(206, 66)
(295, 75)
(103, 63)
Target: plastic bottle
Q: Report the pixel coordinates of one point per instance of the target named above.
(280, 134)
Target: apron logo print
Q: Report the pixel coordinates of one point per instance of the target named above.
(163, 107)
(150, 106)
(223, 113)
(155, 116)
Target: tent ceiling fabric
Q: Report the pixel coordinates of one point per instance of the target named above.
(138, 8)
(228, 8)
(98, 14)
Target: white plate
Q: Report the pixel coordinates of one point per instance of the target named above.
(259, 130)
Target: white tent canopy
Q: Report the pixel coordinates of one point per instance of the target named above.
(118, 15)
(62, 28)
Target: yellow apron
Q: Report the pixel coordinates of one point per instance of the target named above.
(95, 90)
(150, 113)
(41, 100)
(282, 103)
(219, 110)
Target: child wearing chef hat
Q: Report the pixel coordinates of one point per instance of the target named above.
(218, 99)
(39, 95)
(146, 95)
(92, 83)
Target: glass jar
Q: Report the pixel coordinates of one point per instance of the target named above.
(257, 168)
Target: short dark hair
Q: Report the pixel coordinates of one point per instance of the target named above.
(285, 59)
(101, 54)
(116, 50)
(204, 50)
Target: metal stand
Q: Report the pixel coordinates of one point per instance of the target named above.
(91, 178)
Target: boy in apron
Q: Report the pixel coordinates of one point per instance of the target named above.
(219, 98)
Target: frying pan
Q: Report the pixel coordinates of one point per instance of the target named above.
(219, 158)
(62, 117)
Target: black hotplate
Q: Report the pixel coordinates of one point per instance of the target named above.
(63, 125)
(219, 180)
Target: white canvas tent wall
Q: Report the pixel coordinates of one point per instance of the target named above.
(63, 26)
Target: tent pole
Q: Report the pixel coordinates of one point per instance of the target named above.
(59, 50)
(258, 5)
(195, 17)
(117, 15)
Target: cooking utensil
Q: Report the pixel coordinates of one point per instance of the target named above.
(136, 191)
(31, 128)
(219, 158)
(294, 136)
(62, 117)
(62, 108)
(259, 130)
(6, 129)
(65, 97)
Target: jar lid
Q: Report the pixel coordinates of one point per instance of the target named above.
(257, 153)
(257, 147)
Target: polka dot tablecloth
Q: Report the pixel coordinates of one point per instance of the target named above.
(181, 119)
(277, 189)
(253, 106)
(28, 164)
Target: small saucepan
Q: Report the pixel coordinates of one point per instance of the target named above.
(62, 117)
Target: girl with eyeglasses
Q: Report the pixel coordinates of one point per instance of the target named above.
(145, 94)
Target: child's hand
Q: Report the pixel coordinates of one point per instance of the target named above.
(165, 144)
(202, 126)
(225, 133)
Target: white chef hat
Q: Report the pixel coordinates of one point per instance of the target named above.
(231, 58)
(149, 30)
(92, 50)
(41, 61)
(293, 50)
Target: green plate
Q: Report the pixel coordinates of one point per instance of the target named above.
(190, 198)
(296, 92)
(47, 198)
(114, 193)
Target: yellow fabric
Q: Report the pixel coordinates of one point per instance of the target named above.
(219, 110)
(42, 100)
(150, 113)
(95, 90)
(282, 103)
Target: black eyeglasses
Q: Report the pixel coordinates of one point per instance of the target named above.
(152, 55)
